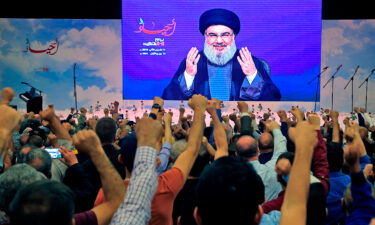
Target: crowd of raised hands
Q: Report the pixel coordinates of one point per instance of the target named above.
(303, 169)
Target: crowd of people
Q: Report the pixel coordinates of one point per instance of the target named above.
(306, 169)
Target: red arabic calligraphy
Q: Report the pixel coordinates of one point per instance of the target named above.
(168, 29)
(51, 50)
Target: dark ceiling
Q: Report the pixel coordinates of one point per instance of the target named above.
(111, 9)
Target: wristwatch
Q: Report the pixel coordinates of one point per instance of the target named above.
(156, 106)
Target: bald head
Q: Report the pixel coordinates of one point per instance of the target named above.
(247, 147)
(265, 142)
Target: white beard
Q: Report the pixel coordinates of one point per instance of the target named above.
(219, 59)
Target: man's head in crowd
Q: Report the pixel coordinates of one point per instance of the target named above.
(316, 205)
(128, 151)
(40, 160)
(265, 142)
(316, 211)
(36, 141)
(247, 147)
(201, 161)
(106, 130)
(13, 179)
(347, 201)
(229, 191)
(335, 156)
(42, 202)
(283, 167)
(177, 148)
(83, 111)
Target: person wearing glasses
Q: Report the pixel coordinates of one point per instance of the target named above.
(221, 70)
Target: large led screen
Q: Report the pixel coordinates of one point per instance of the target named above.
(46, 54)
(283, 38)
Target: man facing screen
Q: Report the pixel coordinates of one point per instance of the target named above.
(221, 71)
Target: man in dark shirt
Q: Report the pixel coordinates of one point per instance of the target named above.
(106, 131)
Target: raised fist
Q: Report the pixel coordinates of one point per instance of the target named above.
(159, 101)
(86, 141)
(198, 102)
(167, 119)
(334, 114)
(297, 113)
(48, 114)
(271, 125)
(303, 134)
(314, 120)
(182, 110)
(7, 95)
(282, 115)
(233, 117)
(149, 132)
(211, 107)
(9, 118)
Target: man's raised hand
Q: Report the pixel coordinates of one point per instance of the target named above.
(211, 108)
(167, 119)
(246, 61)
(48, 114)
(271, 125)
(69, 158)
(159, 101)
(297, 113)
(149, 132)
(334, 115)
(9, 118)
(7, 95)
(314, 120)
(198, 103)
(87, 141)
(352, 130)
(282, 115)
(192, 61)
(304, 135)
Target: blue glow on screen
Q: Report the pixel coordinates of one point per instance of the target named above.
(157, 35)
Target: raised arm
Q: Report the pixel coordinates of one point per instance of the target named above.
(294, 207)
(9, 119)
(136, 207)
(220, 136)
(353, 137)
(284, 122)
(157, 107)
(56, 126)
(279, 141)
(211, 150)
(88, 142)
(186, 160)
(363, 206)
(7, 95)
(166, 148)
(320, 165)
(246, 128)
(336, 127)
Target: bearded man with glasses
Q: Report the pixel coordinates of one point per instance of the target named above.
(222, 71)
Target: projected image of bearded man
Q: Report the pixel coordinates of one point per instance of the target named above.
(222, 71)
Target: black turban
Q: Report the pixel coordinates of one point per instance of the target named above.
(219, 17)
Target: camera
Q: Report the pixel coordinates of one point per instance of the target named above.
(54, 153)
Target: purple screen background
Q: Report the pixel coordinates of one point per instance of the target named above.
(287, 34)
